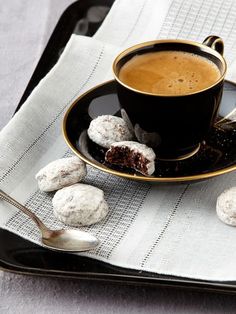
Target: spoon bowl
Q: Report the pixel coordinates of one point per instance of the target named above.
(66, 240)
(69, 240)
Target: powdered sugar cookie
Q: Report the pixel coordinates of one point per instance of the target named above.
(226, 206)
(79, 204)
(133, 155)
(60, 173)
(107, 129)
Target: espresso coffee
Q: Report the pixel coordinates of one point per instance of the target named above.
(169, 73)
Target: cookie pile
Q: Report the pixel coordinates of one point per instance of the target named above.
(117, 135)
(74, 203)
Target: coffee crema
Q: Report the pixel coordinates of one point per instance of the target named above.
(169, 73)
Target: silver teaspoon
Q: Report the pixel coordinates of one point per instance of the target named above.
(67, 240)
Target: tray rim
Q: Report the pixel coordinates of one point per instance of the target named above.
(170, 282)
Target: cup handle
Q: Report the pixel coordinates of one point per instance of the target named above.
(215, 43)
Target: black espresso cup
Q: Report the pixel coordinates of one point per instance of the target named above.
(174, 125)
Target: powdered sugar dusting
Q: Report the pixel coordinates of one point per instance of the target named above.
(107, 129)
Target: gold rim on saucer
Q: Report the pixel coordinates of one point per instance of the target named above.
(135, 176)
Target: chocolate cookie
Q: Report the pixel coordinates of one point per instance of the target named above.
(60, 173)
(79, 204)
(226, 206)
(107, 129)
(133, 155)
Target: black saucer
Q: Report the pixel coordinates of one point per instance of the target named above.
(217, 154)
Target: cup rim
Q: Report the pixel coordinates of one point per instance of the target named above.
(206, 48)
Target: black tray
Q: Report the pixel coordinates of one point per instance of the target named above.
(21, 256)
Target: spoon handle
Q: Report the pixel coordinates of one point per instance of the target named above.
(24, 209)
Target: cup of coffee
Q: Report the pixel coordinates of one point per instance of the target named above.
(171, 92)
